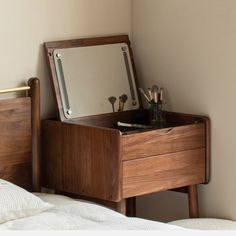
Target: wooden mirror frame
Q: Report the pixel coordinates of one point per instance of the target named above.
(51, 46)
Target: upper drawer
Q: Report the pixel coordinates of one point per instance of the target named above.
(163, 141)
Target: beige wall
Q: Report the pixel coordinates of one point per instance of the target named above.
(26, 24)
(188, 46)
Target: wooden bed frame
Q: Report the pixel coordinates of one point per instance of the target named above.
(20, 137)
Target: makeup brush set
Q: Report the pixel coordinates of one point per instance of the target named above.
(154, 97)
(154, 94)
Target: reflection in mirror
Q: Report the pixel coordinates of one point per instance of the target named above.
(96, 79)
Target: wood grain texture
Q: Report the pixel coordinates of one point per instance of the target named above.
(88, 159)
(15, 141)
(121, 207)
(163, 172)
(34, 93)
(19, 174)
(87, 42)
(163, 141)
(176, 119)
(91, 162)
(52, 169)
(20, 138)
(193, 201)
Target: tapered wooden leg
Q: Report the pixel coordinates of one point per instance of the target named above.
(193, 201)
(131, 207)
(121, 207)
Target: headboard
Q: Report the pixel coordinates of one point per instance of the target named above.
(20, 137)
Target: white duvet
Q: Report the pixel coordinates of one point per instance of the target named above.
(69, 214)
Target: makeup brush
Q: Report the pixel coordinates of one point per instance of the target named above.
(155, 90)
(144, 94)
(121, 124)
(112, 100)
(150, 93)
(161, 95)
(122, 100)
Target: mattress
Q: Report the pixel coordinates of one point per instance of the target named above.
(69, 214)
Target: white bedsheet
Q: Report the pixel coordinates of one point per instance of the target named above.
(69, 214)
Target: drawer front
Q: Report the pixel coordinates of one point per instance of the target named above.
(163, 172)
(163, 141)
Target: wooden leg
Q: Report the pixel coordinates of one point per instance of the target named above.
(131, 207)
(193, 201)
(121, 207)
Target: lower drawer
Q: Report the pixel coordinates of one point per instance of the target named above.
(163, 172)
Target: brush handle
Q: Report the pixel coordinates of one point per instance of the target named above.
(133, 125)
(144, 94)
(121, 106)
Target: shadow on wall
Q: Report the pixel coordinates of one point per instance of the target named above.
(48, 105)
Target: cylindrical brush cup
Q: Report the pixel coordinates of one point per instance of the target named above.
(157, 115)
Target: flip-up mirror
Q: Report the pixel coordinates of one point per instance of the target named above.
(93, 76)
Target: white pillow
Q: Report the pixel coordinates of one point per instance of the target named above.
(16, 202)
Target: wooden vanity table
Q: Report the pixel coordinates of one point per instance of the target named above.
(90, 157)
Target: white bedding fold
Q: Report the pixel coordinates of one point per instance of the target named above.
(69, 214)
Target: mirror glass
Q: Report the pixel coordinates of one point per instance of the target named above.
(95, 79)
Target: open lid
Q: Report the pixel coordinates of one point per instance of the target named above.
(93, 76)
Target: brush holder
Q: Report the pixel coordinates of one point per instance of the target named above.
(157, 115)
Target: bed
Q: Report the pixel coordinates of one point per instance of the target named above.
(22, 206)
(69, 214)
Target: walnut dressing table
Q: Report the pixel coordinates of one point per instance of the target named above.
(90, 157)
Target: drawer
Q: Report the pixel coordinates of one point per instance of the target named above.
(163, 141)
(163, 172)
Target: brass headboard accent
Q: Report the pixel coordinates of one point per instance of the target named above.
(25, 88)
(20, 137)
